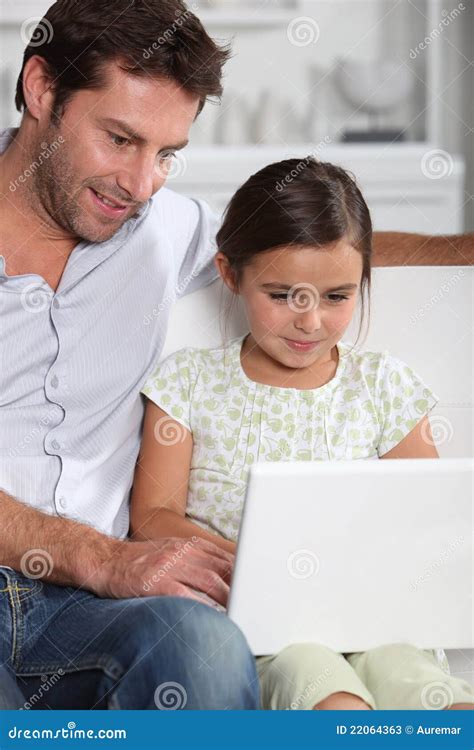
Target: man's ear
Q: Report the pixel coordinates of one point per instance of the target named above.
(38, 88)
(227, 274)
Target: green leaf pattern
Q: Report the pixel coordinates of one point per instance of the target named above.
(370, 405)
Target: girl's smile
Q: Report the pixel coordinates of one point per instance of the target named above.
(302, 346)
(299, 302)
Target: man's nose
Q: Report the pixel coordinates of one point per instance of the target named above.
(141, 179)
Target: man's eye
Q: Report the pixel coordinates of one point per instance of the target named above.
(167, 155)
(339, 297)
(119, 140)
(279, 297)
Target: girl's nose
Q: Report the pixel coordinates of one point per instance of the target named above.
(309, 321)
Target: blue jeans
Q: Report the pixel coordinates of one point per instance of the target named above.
(69, 649)
(10, 697)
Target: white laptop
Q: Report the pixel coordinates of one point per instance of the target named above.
(356, 554)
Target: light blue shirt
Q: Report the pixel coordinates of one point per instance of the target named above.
(73, 362)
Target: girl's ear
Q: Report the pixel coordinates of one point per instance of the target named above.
(222, 264)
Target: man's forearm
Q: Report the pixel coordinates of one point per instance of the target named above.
(406, 249)
(67, 553)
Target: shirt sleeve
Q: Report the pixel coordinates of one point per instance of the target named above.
(170, 386)
(197, 268)
(404, 399)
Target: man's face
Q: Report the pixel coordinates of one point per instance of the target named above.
(100, 157)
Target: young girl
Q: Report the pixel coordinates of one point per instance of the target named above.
(295, 244)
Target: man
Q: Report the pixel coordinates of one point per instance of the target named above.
(94, 253)
(88, 257)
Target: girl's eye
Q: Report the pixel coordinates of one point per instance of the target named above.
(335, 298)
(119, 140)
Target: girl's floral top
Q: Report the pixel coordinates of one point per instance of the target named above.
(373, 401)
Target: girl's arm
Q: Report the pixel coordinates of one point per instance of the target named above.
(160, 486)
(418, 443)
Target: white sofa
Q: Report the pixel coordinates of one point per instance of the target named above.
(421, 314)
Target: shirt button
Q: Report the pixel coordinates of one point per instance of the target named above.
(56, 303)
(55, 445)
(54, 382)
(62, 502)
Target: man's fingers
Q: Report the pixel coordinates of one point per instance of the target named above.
(203, 560)
(186, 547)
(175, 588)
(196, 566)
(213, 549)
(202, 579)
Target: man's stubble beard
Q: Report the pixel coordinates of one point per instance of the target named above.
(53, 189)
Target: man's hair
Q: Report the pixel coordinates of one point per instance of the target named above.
(156, 38)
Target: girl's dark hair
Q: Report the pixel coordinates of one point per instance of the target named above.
(159, 38)
(299, 202)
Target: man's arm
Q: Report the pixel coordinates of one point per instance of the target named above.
(69, 553)
(406, 249)
(72, 551)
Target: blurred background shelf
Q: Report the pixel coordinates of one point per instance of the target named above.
(248, 17)
(306, 75)
(397, 190)
(251, 20)
(16, 12)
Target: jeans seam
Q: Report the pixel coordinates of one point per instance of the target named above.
(111, 668)
(112, 702)
(29, 592)
(14, 618)
(20, 623)
(16, 595)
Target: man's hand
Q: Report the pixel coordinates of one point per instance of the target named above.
(82, 557)
(164, 567)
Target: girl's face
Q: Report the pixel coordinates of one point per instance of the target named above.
(302, 295)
